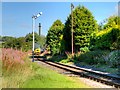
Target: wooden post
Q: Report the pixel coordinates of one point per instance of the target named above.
(72, 6)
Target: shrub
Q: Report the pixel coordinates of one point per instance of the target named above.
(93, 57)
(84, 49)
(107, 39)
(114, 58)
(57, 58)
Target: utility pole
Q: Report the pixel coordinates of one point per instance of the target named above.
(39, 29)
(72, 6)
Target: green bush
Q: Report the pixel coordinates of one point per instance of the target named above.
(108, 40)
(114, 59)
(57, 58)
(94, 57)
(55, 51)
(84, 49)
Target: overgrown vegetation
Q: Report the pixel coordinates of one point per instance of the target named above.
(15, 68)
(107, 40)
(93, 57)
(101, 57)
(20, 72)
(93, 46)
(97, 45)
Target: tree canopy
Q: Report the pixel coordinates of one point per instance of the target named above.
(24, 43)
(112, 22)
(109, 36)
(54, 37)
(84, 26)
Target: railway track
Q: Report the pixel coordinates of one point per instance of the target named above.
(104, 78)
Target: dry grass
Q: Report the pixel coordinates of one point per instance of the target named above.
(19, 72)
(15, 68)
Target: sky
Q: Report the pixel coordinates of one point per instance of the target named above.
(17, 16)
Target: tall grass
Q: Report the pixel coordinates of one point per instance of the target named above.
(0, 68)
(14, 68)
(19, 72)
(12, 59)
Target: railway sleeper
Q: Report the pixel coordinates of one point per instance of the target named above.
(116, 85)
(94, 72)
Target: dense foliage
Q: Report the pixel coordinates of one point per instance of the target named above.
(19, 72)
(96, 44)
(54, 37)
(102, 57)
(112, 22)
(84, 26)
(93, 57)
(108, 38)
(23, 43)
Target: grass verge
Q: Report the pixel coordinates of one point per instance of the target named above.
(19, 72)
(46, 78)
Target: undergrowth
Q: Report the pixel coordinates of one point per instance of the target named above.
(15, 68)
(20, 72)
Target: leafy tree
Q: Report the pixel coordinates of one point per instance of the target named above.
(23, 43)
(29, 37)
(9, 42)
(38, 39)
(108, 38)
(54, 37)
(20, 42)
(112, 22)
(7, 38)
(84, 26)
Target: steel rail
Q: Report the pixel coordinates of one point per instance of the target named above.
(82, 73)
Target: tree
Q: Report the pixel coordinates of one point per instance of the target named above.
(38, 39)
(19, 42)
(29, 37)
(84, 26)
(23, 43)
(9, 42)
(54, 37)
(112, 22)
(7, 38)
(109, 36)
